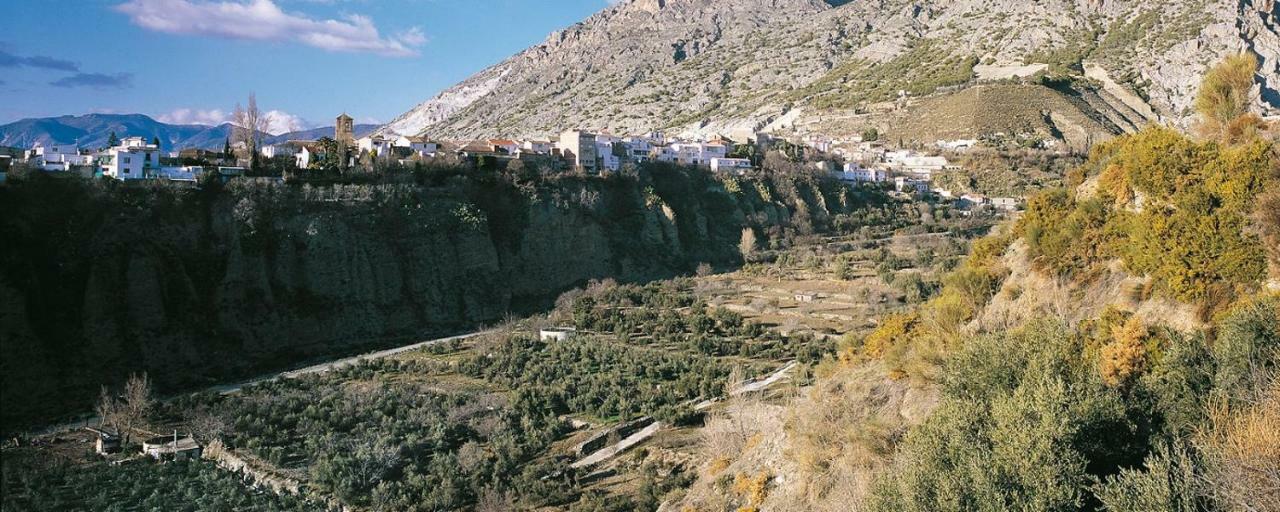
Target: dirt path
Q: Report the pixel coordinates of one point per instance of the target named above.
(641, 435)
(291, 374)
(608, 452)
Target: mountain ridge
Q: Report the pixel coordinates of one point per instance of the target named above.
(93, 130)
(700, 67)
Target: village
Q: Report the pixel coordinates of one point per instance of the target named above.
(859, 160)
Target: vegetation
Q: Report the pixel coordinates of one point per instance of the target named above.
(33, 484)
(1188, 233)
(1026, 420)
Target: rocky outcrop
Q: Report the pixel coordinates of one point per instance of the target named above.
(196, 285)
(737, 66)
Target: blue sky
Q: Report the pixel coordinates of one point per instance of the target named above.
(192, 60)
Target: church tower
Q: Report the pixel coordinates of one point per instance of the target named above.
(344, 131)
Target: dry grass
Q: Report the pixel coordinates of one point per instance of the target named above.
(1242, 448)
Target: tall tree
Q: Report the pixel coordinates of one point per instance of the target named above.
(249, 127)
(226, 149)
(113, 140)
(155, 141)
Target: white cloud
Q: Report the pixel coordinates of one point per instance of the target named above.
(278, 121)
(264, 20)
(194, 116)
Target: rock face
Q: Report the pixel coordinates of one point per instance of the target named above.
(193, 286)
(736, 66)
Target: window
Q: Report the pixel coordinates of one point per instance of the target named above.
(126, 160)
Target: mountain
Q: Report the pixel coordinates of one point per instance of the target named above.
(93, 131)
(315, 133)
(738, 66)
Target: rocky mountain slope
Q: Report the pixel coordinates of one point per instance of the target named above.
(93, 131)
(737, 66)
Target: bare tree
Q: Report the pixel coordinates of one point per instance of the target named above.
(136, 403)
(748, 243)
(108, 410)
(249, 126)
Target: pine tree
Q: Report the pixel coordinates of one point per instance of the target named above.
(113, 140)
(226, 149)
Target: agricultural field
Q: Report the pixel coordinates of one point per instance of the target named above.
(608, 419)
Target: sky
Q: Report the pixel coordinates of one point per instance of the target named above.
(191, 61)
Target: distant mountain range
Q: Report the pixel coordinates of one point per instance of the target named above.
(93, 131)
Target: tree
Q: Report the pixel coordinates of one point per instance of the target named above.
(155, 141)
(107, 410)
(136, 403)
(249, 126)
(113, 140)
(226, 149)
(871, 135)
(130, 409)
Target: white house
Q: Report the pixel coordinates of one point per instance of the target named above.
(58, 157)
(698, 153)
(663, 153)
(973, 199)
(281, 149)
(733, 165)
(638, 148)
(537, 147)
(376, 143)
(958, 144)
(1005, 203)
(609, 161)
(905, 184)
(185, 173)
(308, 153)
(133, 159)
(859, 174)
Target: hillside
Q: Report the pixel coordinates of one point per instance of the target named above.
(93, 131)
(703, 66)
(1113, 348)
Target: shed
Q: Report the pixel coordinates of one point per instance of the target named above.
(172, 448)
(556, 333)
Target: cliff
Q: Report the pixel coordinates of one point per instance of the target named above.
(101, 280)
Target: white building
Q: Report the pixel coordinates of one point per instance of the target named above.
(662, 153)
(537, 147)
(957, 145)
(376, 143)
(859, 174)
(281, 149)
(188, 173)
(308, 153)
(698, 153)
(609, 161)
(133, 159)
(905, 184)
(58, 157)
(1005, 203)
(639, 149)
(733, 165)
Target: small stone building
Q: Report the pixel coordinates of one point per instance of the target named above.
(556, 333)
(172, 448)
